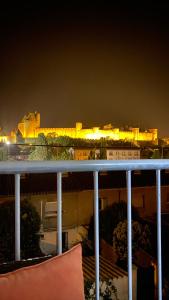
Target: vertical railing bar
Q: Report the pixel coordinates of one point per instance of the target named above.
(129, 234)
(59, 212)
(158, 191)
(96, 230)
(17, 218)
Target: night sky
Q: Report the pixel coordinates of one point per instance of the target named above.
(97, 64)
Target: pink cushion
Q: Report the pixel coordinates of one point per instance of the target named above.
(59, 278)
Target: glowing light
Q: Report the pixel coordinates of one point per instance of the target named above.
(30, 128)
(94, 136)
(8, 142)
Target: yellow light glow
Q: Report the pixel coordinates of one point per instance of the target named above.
(94, 136)
(30, 128)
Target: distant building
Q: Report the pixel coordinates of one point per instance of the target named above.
(123, 153)
(30, 128)
(7, 139)
(3, 139)
(111, 154)
(85, 154)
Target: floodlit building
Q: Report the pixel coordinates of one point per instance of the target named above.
(29, 127)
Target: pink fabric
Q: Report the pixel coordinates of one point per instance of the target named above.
(59, 278)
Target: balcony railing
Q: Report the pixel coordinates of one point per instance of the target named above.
(95, 166)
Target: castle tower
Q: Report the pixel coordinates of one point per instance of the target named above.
(135, 134)
(154, 132)
(78, 126)
(29, 124)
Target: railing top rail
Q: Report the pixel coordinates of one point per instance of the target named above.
(14, 167)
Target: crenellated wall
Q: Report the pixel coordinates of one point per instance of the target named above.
(30, 128)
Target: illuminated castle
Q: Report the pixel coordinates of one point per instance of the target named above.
(29, 127)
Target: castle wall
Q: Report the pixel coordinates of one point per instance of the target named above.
(30, 128)
(145, 136)
(71, 132)
(126, 135)
(94, 134)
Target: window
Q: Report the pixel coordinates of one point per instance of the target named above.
(50, 209)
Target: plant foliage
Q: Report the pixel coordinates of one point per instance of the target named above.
(30, 225)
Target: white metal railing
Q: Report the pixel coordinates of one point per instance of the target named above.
(17, 168)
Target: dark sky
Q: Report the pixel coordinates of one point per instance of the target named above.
(97, 64)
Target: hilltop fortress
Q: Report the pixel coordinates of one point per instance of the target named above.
(29, 127)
